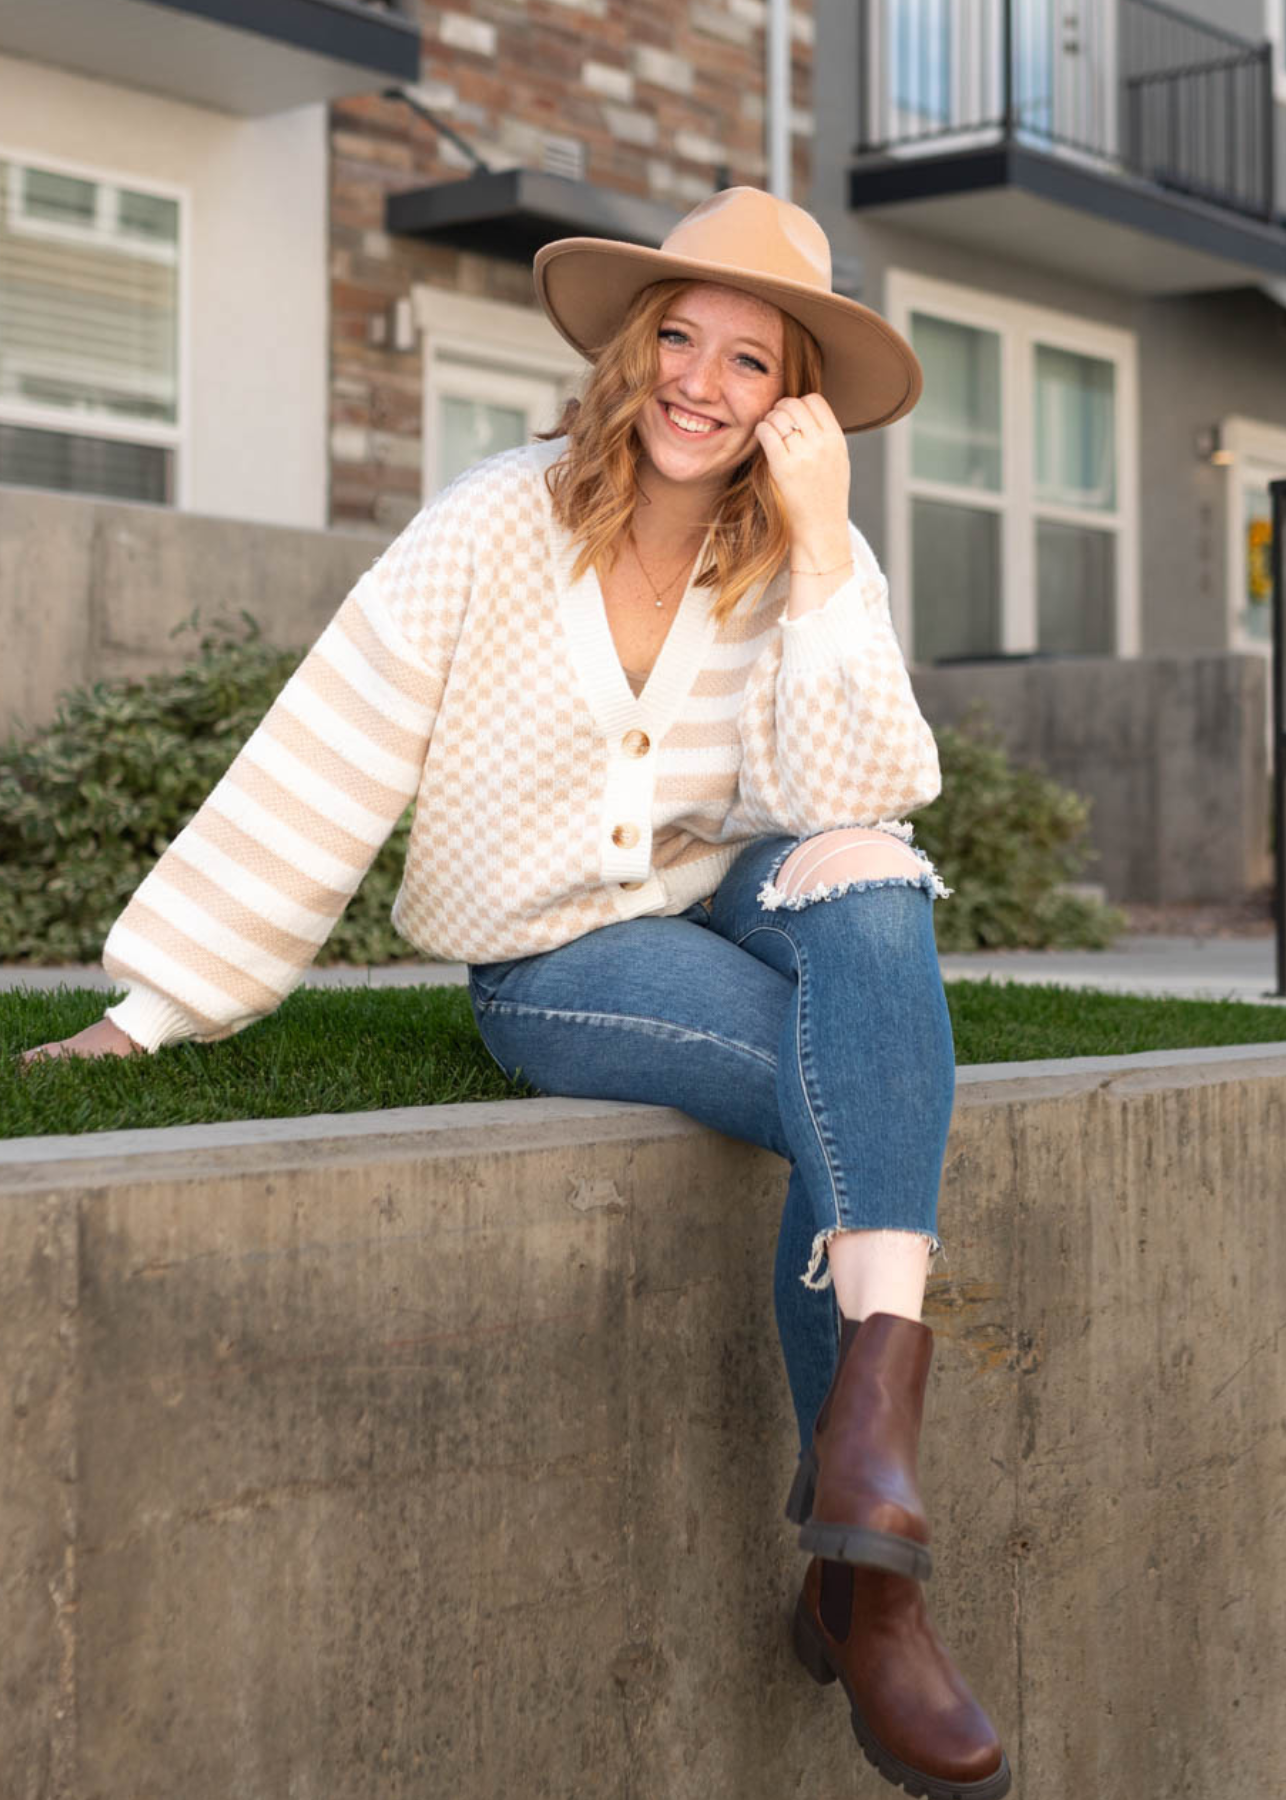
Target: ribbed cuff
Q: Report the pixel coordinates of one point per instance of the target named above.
(815, 643)
(151, 1019)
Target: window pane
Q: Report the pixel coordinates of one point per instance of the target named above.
(85, 465)
(1076, 589)
(147, 216)
(63, 198)
(1075, 429)
(921, 46)
(468, 430)
(88, 327)
(1257, 523)
(955, 430)
(955, 586)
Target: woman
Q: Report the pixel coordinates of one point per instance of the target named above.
(642, 680)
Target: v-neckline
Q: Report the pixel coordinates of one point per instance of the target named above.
(592, 648)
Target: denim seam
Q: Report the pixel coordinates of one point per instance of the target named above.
(661, 1027)
(823, 1280)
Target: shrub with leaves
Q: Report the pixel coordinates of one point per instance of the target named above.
(1007, 840)
(89, 802)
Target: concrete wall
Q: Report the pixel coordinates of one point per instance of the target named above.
(254, 317)
(1168, 750)
(91, 589)
(443, 1453)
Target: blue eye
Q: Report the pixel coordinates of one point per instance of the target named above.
(672, 331)
(755, 364)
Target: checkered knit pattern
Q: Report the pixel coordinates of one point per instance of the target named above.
(468, 671)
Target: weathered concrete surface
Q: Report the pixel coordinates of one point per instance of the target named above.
(442, 1453)
(1171, 751)
(92, 590)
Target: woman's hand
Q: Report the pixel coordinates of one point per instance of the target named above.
(102, 1038)
(808, 460)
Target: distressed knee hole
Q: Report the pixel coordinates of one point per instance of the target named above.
(839, 856)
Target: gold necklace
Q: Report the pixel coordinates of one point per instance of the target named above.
(656, 592)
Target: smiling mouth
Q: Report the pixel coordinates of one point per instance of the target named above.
(690, 424)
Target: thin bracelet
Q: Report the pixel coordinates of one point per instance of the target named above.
(834, 571)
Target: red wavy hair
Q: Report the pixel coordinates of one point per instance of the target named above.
(593, 485)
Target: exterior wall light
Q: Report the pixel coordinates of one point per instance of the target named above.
(1209, 447)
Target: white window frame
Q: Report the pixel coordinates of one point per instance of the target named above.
(1248, 442)
(175, 438)
(505, 341)
(1020, 328)
(1275, 32)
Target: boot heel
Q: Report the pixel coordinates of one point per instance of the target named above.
(799, 1506)
(809, 1650)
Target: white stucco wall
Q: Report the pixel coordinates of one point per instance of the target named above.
(254, 314)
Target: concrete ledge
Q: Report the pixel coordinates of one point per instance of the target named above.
(442, 1452)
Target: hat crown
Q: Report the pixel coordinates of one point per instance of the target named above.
(754, 233)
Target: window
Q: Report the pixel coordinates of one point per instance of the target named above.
(1258, 456)
(89, 333)
(494, 374)
(1011, 486)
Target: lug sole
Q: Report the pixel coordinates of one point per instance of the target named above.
(811, 1650)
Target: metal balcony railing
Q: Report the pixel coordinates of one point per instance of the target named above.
(1129, 85)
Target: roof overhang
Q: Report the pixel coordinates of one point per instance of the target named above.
(1092, 223)
(511, 213)
(238, 56)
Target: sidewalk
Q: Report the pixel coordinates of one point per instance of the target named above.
(1192, 968)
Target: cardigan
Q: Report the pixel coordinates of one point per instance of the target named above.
(468, 671)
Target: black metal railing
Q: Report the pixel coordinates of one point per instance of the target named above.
(1131, 85)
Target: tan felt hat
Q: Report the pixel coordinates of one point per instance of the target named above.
(742, 238)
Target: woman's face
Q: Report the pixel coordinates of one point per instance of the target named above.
(719, 371)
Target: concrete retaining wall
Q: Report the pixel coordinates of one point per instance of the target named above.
(1170, 750)
(91, 590)
(442, 1453)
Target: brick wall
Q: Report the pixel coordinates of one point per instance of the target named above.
(667, 102)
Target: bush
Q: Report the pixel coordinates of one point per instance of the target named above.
(1006, 840)
(89, 802)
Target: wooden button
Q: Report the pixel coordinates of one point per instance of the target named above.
(636, 743)
(625, 836)
(631, 885)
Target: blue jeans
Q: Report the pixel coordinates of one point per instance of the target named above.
(817, 1028)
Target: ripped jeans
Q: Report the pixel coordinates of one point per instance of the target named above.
(814, 1025)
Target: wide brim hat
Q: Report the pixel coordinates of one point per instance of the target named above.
(747, 239)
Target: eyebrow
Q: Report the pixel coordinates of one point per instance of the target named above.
(758, 343)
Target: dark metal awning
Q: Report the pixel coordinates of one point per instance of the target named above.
(511, 213)
(1035, 205)
(251, 57)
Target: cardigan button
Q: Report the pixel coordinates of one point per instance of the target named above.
(636, 743)
(625, 836)
(630, 886)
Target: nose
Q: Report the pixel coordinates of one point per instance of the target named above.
(700, 379)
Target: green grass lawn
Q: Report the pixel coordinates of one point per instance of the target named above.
(355, 1049)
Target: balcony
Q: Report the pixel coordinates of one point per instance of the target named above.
(1115, 141)
(251, 57)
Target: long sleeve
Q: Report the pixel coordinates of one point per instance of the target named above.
(831, 734)
(231, 916)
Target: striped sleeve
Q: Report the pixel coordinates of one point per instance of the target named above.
(231, 916)
(831, 734)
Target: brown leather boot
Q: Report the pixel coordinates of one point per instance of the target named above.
(856, 1496)
(912, 1711)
